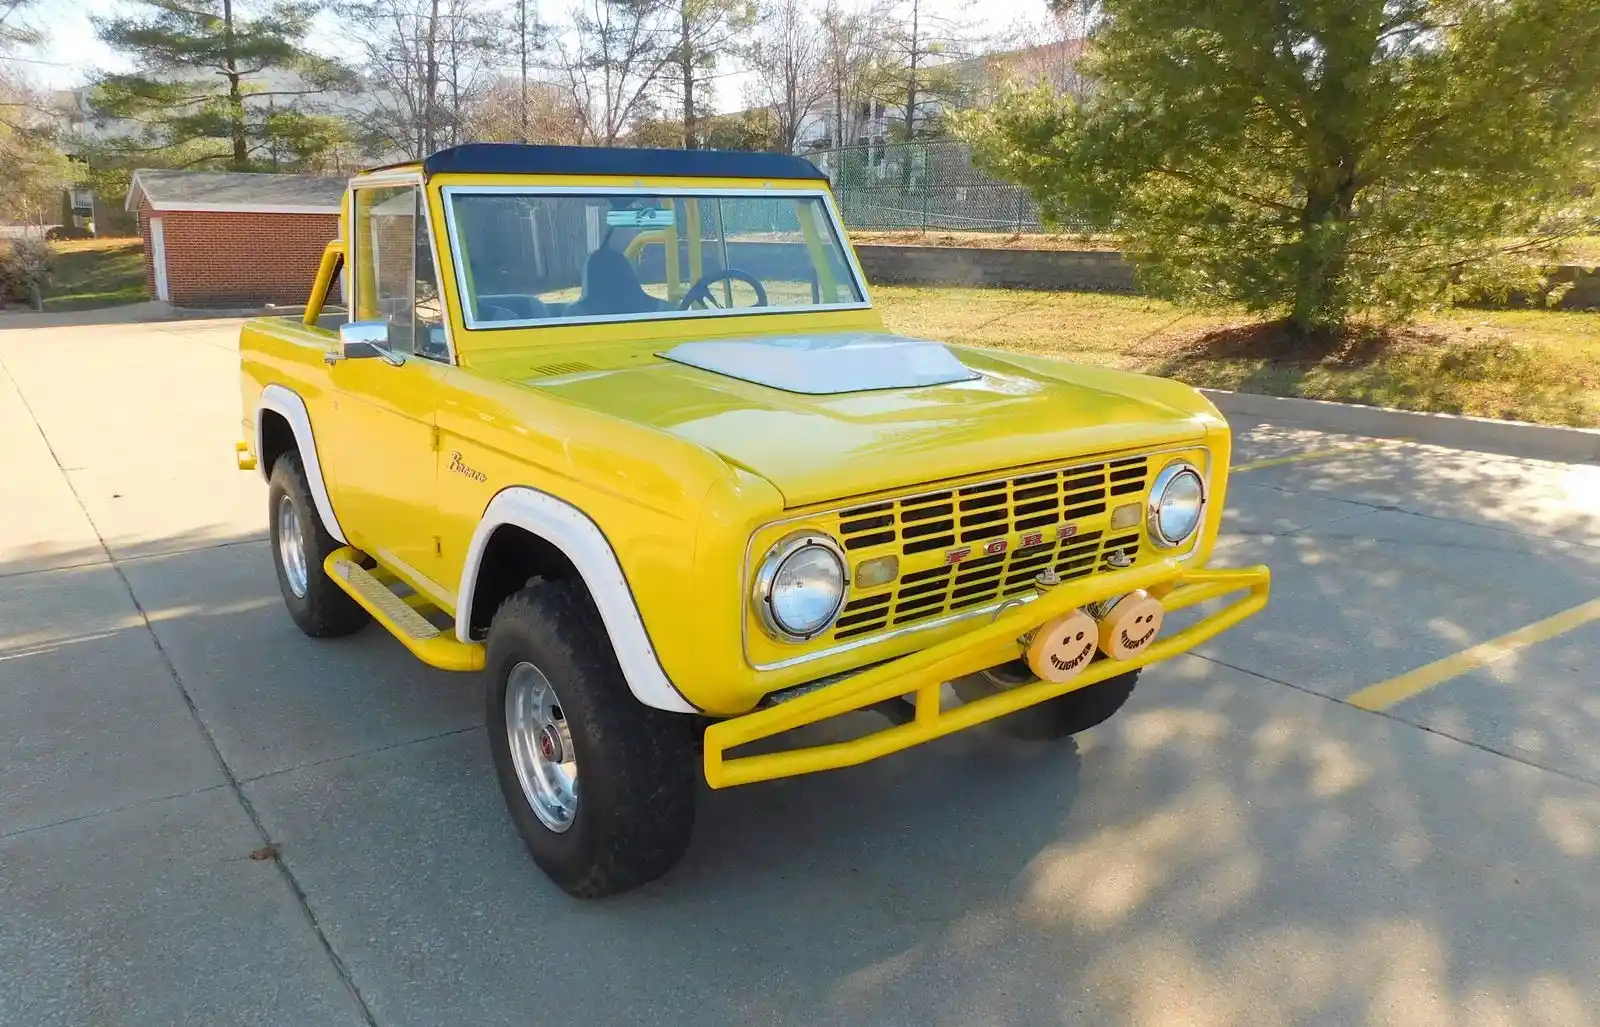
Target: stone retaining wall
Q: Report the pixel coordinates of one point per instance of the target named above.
(1081, 271)
(1051, 270)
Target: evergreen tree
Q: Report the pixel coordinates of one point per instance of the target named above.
(703, 32)
(220, 85)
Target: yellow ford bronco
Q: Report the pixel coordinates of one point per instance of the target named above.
(622, 429)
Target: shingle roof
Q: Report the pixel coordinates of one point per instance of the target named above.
(235, 192)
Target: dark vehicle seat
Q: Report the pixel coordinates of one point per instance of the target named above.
(610, 286)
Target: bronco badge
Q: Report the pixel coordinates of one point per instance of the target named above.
(460, 468)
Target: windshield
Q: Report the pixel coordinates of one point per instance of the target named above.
(530, 258)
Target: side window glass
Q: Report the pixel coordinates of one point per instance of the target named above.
(395, 277)
(428, 305)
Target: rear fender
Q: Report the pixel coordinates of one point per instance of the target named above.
(292, 408)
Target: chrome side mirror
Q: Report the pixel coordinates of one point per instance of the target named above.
(360, 340)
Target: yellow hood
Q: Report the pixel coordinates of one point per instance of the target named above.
(1015, 412)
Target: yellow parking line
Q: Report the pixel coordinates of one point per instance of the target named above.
(1386, 693)
(1316, 454)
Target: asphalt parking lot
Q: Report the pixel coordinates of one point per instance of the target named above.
(1289, 827)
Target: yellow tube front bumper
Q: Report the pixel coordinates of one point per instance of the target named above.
(923, 673)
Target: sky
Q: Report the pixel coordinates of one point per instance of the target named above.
(71, 53)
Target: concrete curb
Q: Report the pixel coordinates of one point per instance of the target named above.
(1482, 434)
(144, 312)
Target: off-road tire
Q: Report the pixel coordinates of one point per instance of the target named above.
(638, 768)
(1062, 716)
(325, 611)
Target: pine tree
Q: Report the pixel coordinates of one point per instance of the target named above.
(219, 86)
(703, 32)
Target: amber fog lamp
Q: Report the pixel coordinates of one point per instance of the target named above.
(878, 571)
(1126, 515)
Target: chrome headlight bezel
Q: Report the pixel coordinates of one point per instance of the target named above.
(1163, 481)
(766, 575)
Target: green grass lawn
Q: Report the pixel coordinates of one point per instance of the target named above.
(1528, 365)
(96, 273)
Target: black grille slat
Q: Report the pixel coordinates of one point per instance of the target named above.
(852, 619)
(983, 517)
(926, 586)
(922, 513)
(918, 602)
(865, 524)
(928, 528)
(986, 587)
(863, 541)
(939, 542)
(982, 574)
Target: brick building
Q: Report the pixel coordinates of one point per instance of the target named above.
(229, 239)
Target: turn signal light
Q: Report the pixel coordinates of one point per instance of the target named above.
(878, 571)
(1126, 515)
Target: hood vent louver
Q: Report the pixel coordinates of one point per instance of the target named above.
(552, 370)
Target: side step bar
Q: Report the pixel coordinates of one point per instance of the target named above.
(426, 642)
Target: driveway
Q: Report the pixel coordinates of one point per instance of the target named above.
(1376, 802)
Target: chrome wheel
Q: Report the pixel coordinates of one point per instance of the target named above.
(541, 747)
(292, 547)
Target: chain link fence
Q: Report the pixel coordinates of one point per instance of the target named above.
(926, 185)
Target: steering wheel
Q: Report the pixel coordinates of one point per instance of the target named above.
(700, 291)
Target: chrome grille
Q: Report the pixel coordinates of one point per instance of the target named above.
(973, 545)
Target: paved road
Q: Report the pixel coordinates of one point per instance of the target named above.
(1241, 846)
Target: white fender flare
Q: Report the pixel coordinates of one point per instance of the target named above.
(569, 530)
(293, 409)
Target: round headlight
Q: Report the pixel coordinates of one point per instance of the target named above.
(1177, 500)
(800, 587)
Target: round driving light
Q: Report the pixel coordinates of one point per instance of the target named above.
(1177, 500)
(801, 587)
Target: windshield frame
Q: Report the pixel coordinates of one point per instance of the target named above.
(458, 261)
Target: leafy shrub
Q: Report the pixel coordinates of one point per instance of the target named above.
(24, 271)
(1318, 158)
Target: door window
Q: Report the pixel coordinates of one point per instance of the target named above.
(396, 281)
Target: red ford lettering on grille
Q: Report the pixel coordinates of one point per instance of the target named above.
(1001, 545)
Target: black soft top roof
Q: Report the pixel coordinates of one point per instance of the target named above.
(520, 159)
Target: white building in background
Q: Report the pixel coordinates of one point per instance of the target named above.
(980, 80)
